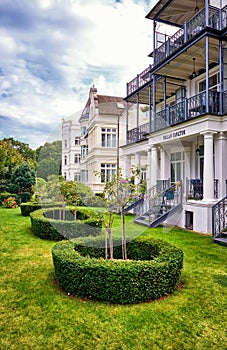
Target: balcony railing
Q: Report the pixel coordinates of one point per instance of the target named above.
(178, 113)
(194, 189)
(217, 20)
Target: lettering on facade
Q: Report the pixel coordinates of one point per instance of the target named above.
(174, 135)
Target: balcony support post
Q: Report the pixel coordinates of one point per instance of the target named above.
(207, 74)
(150, 111)
(221, 77)
(127, 108)
(137, 117)
(207, 13)
(185, 32)
(154, 102)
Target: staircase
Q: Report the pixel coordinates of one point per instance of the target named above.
(219, 222)
(161, 201)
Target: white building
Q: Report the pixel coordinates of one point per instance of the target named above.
(184, 140)
(71, 149)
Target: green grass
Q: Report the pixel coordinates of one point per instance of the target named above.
(36, 315)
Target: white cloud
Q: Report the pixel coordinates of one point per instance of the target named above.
(52, 51)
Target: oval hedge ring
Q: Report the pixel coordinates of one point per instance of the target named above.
(152, 270)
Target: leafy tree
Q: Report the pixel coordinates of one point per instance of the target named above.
(23, 178)
(49, 159)
(9, 160)
(28, 154)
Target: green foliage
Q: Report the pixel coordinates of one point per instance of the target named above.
(88, 224)
(10, 203)
(23, 178)
(5, 195)
(153, 270)
(35, 314)
(12, 154)
(27, 208)
(49, 159)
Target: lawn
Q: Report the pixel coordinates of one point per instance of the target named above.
(35, 314)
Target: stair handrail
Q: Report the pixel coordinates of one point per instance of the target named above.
(219, 217)
(160, 200)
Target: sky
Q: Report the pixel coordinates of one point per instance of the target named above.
(53, 51)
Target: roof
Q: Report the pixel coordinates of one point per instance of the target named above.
(175, 12)
(111, 104)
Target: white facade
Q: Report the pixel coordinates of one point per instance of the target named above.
(185, 138)
(71, 150)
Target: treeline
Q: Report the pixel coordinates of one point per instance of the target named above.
(20, 165)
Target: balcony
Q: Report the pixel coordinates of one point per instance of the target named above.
(217, 20)
(194, 189)
(179, 112)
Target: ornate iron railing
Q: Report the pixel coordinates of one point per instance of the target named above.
(217, 19)
(219, 218)
(158, 202)
(194, 189)
(179, 112)
(138, 134)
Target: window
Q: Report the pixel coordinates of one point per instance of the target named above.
(65, 177)
(65, 160)
(177, 166)
(77, 158)
(108, 137)
(107, 172)
(213, 83)
(65, 143)
(76, 176)
(77, 141)
(83, 130)
(84, 151)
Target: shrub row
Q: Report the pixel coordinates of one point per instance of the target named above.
(152, 270)
(51, 229)
(29, 207)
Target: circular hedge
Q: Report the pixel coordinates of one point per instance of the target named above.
(45, 223)
(152, 270)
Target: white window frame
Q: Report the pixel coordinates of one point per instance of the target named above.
(108, 170)
(109, 137)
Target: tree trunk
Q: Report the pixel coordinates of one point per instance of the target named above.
(124, 249)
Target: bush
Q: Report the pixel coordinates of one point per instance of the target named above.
(10, 203)
(29, 207)
(6, 195)
(88, 223)
(152, 270)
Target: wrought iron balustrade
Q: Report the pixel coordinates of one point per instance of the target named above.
(217, 19)
(194, 189)
(219, 218)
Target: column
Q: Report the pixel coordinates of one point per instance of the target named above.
(208, 172)
(165, 165)
(154, 166)
(127, 165)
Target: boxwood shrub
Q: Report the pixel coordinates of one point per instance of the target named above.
(152, 270)
(88, 223)
(29, 207)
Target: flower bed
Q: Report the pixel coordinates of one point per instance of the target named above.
(46, 224)
(152, 270)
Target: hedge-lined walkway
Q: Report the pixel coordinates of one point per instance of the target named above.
(35, 314)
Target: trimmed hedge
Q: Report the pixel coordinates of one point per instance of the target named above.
(29, 207)
(152, 270)
(88, 223)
